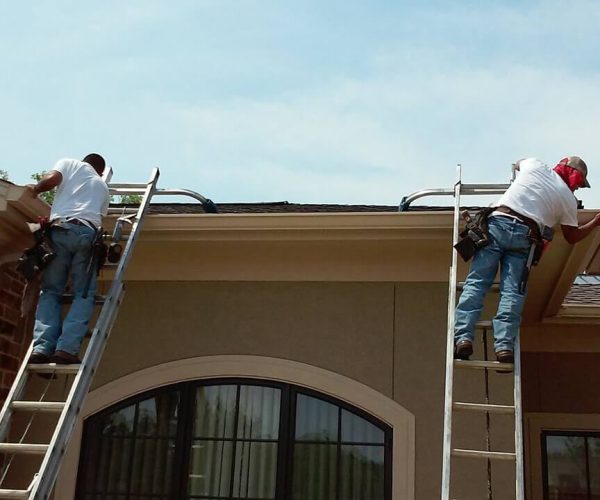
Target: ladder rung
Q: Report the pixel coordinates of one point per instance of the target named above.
(53, 368)
(38, 449)
(14, 494)
(68, 299)
(484, 407)
(460, 286)
(127, 185)
(38, 405)
(494, 455)
(478, 365)
(483, 325)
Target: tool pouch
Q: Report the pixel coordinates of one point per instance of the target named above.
(99, 251)
(475, 235)
(35, 259)
(542, 241)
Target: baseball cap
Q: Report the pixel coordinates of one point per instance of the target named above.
(578, 164)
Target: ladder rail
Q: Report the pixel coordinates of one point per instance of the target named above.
(486, 365)
(16, 392)
(50, 465)
(447, 445)
(520, 469)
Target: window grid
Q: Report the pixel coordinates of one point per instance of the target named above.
(183, 441)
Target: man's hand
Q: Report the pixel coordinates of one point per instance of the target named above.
(575, 234)
(32, 190)
(48, 182)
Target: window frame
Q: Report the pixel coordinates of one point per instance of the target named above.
(286, 439)
(566, 433)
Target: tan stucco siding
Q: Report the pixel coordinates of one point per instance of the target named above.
(344, 328)
(388, 336)
(561, 382)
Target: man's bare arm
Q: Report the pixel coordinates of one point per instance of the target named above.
(574, 234)
(46, 183)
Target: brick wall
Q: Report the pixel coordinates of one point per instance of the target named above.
(15, 331)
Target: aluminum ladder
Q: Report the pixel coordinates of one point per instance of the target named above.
(485, 365)
(42, 482)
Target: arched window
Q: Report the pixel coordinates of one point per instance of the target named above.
(234, 439)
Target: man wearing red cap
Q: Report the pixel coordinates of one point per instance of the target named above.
(540, 196)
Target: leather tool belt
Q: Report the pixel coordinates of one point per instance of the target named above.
(535, 234)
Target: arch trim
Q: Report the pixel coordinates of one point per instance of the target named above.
(318, 379)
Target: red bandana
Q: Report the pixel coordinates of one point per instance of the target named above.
(573, 178)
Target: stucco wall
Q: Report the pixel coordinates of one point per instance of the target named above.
(388, 336)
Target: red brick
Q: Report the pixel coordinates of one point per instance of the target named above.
(17, 334)
(9, 362)
(11, 270)
(14, 349)
(17, 286)
(6, 328)
(12, 315)
(3, 394)
(8, 378)
(10, 299)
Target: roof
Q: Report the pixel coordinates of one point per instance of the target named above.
(581, 294)
(267, 207)
(275, 207)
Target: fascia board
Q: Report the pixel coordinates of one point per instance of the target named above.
(580, 313)
(320, 226)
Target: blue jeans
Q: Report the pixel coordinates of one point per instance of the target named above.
(72, 245)
(509, 249)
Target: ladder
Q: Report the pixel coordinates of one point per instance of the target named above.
(40, 487)
(477, 366)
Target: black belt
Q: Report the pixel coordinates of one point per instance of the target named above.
(530, 223)
(78, 222)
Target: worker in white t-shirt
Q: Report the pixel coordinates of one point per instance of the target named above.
(539, 197)
(80, 201)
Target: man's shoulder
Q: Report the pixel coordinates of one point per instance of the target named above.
(67, 164)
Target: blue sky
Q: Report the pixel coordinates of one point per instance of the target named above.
(306, 101)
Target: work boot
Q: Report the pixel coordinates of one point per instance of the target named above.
(65, 358)
(505, 356)
(463, 350)
(38, 358)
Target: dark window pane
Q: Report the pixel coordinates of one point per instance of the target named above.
(566, 462)
(258, 413)
(152, 466)
(362, 474)
(255, 470)
(357, 430)
(210, 468)
(316, 420)
(594, 460)
(119, 461)
(314, 472)
(146, 419)
(119, 423)
(215, 411)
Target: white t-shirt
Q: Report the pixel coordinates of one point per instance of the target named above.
(82, 194)
(539, 193)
